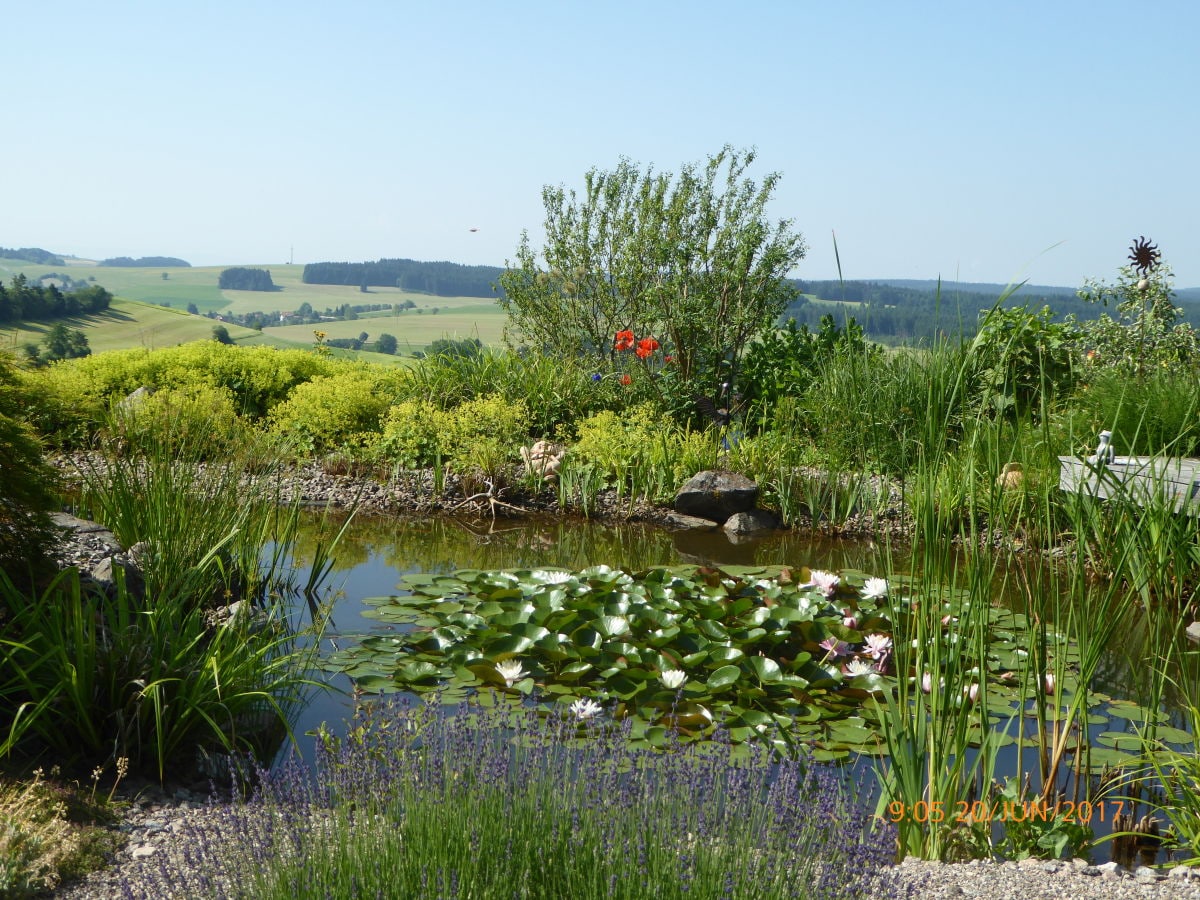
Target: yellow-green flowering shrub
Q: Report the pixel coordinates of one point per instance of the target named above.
(199, 421)
(72, 396)
(642, 449)
(415, 434)
(481, 435)
(614, 441)
(486, 433)
(331, 410)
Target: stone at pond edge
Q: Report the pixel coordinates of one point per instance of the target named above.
(103, 575)
(1193, 632)
(750, 522)
(689, 523)
(716, 495)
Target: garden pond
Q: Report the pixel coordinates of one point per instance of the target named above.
(678, 630)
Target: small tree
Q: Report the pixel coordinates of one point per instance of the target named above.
(1148, 330)
(386, 343)
(221, 335)
(65, 343)
(691, 260)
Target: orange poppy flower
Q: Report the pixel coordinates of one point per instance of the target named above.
(625, 379)
(624, 340)
(645, 347)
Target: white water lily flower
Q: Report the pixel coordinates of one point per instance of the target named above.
(672, 679)
(874, 589)
(858, 666)
(511, 671)
(827, 582)
(585, 708)
(546, 576)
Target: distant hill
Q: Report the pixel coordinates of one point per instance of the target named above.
(32, 254)
(975, 287)
(906, 310)
(157, 262)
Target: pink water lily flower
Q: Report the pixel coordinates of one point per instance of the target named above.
(877, 646)
(827, 582)
(834, 647)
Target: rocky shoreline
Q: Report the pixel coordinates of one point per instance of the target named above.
(335, 484)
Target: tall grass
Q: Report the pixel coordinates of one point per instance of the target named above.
(102, 677)
(203, 523)
(152, 673)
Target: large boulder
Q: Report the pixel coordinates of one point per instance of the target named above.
(716, 495)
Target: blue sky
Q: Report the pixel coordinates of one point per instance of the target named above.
(979, 142)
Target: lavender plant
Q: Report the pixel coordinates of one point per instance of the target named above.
(504, 802)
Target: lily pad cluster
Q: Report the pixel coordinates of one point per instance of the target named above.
(678, 649)
(797, 654)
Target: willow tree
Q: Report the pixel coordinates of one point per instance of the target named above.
(689, 259)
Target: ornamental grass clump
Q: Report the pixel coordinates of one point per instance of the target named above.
(505, 802)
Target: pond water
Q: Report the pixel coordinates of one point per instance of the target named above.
(374, 554)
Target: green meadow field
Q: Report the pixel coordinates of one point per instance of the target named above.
(140, 316)
(127, 323)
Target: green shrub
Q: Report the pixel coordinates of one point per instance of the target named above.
(784, 362)
(416, 434)
(331, 410)
(1024, 358)
(27, 486)
(1149, 332)
(198, 422)
(486, 433)
(1150, 413)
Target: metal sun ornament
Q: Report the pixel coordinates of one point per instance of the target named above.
(1144, 255)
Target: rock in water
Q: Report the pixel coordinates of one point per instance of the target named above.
(716, 495)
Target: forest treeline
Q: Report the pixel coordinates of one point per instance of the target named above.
(145, 262)
(901, 314)
(34, 255)
(23, 299)
(240, 278)
(442, 279)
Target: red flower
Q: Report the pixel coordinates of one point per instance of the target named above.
(624, 340)
(645, 347)
(625, 379)
(668, 358)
